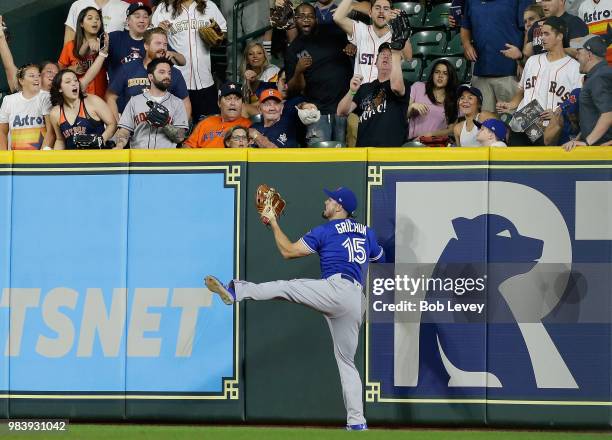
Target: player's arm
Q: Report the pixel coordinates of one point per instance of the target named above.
(286, 248)
(341, 17)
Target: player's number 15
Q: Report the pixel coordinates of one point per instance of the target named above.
(356, 250)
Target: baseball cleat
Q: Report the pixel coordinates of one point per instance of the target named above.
(214, 285)
(359, 427)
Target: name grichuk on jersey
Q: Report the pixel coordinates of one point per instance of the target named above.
(549, 82)
(344, 246)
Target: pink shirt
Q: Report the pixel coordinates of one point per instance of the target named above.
(434, 120)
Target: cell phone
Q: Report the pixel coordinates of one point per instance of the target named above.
(455, 12)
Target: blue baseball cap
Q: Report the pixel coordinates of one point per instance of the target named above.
(468, 88)
(496, 126)
(345, 197)
(570, 105)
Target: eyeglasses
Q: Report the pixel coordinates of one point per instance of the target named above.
(304, 17)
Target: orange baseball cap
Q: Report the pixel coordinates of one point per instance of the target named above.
(270, 93)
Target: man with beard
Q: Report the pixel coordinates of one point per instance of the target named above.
(368, 38)
(132, 78)
(596, 94)
(381, 104)
(318, 68)
(128, 45)
(210, 132)
(136, 123)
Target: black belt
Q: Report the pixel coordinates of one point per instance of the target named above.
(350, 278)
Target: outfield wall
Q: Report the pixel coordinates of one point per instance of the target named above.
(103, 315)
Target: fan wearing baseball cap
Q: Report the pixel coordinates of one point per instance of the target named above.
(279, 125)
(491, 133)
(565, 124)
(381, 104)
(210, 131)
(596, 94)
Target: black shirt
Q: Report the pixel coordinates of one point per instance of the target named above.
(327, 79)
(382, 115)
(595, 99)
(575, 28)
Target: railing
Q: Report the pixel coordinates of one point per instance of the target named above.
(237, 42)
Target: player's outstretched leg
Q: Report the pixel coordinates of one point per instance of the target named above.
(226, 293)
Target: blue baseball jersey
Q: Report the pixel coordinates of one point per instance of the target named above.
(344, 246)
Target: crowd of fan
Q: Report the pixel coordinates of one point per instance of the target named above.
(135, 75)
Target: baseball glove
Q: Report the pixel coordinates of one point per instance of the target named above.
(269, 203)
(283, 16)
(89, 141)
(211, 34)
(159, 115)
(400, 30)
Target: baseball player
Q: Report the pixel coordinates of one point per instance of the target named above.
(156, 118)
(344, 247)
(548, 78)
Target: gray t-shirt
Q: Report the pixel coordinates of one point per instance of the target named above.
(144, 135)
(595, 99)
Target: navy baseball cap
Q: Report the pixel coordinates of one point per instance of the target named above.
(468, 88)
(230, 88)
(496, 126)
(345, 197)
(594, 43)
(137, 6)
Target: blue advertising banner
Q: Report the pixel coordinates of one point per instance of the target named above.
(537, 232)
(5, 259)
(105, 292)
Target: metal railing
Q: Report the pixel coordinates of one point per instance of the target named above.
(238, 42)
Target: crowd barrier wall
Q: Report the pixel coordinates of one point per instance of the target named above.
(103, 314)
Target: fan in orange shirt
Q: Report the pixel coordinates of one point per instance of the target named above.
(209, 133)
(80, 54)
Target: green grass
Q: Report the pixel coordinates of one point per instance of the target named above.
(156, 432)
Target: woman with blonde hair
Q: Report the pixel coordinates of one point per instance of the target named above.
(256, 71)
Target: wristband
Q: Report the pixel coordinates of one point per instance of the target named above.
(103, 55)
